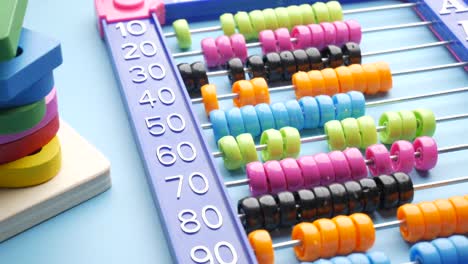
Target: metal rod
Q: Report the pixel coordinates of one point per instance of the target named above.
(431, 68)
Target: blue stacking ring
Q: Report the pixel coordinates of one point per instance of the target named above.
(343, 107)
(251, 123)
(377, 257)
(425, 252)
(359, 258)
(461, 244)
(280, 113)
(341, 260)
(219, 124)
(358, 104)
(326, 108)
(311, 112)
(447, 251)
(296, 118)
(265, 116)
(235, 121)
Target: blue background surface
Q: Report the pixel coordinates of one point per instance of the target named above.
(122, 225)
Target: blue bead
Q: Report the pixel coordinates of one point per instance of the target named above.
(327, 109)
(425, 252)
(296, 118)
(219, 123)
(343, 108)
(358, 104)
(320, 261)
(461, 244)
(377, 257)
(358, 258)
(265, 117)
(235, 121)
(341, 260)
(447, 251)
(311, 112)
(251, 123)
(280, 113)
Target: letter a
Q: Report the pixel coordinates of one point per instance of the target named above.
(452, 4)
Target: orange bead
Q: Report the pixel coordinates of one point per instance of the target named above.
(347, 234)
(310, 238)
(448, 217)
(412, 227)
(345, 78)
(210, 99)
(318, 83)
(332, 86)
(365, 231)
(461, 209)
(261, 243)
(372, 78)
(245, 93)
(385, 75)
(431, 219)
(359, 78)
(302, 84)
(329, 237)
(262, 95)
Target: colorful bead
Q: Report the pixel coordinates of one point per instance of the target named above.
(432, 223)
(345, 78)
(327, 109)
(330, 237)
(310, 171)
(303, 36)
(428, 153)
(247, 148)
(251, 123)
(388, 187)
(273, 67)
(302, 84)
(235, 121)
(342, 33)
(426, 123)
(307, 13)
(310, 246)
(329, 32)
(323, 200)
(381, 162)
(295, 16)
(335, 11)
(296, 117)
(210, 98)
(461, 210)
(283, 39)
(404, 151)
(267, 40)
(409, 124)
(302, 60)
(282, 17)
(372, 78)
(245, 26)
(245, 93)
(358, 104)
(334, 131)
(262, 244)
(461, 244)
(448, 217)
(378, 258)
(370, 194)
(339, 199)
(257, 178)
(270, 211)
(228, 24)
(355, 32)
(446, 249)
(257, 20)
(340, 166)
(412, 227)
(294, 178)
(235, 68)
(332, 86)
(385, 75)
(182, 31)
(356, 163)
(256, 66)
(347, 233)
(311, 112)
(288, 63)
(239, 46)
(262, 94)
(224, 48)
(232, 156)
(343, 106)
(274, 141)
(321, 12)
(291, 141)
(265, 117)
(325, 166)
(210, 52)
(334, 57)
(275, 176)
(355, 198)
(393, 124)
(359, 78)
(351, 132)
(405, 188)
(270, 18)
(352, 53)
(253, 215)
(368, 131)
(318, 83)
(424, 252)
(306, 201)
(318, 36)
(219, 124)
(359, 258)
(287, 208)
(280, 113)
(365, 230)
(200, 77)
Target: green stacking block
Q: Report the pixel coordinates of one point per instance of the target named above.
(11, 21)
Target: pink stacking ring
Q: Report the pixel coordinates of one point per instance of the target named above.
(275, 176)
(356, 162)
(404, 151)
(257, 178)
(224, 48)
(310, 171)
(210, 52)
(268, 41)
(428, 154)
(284, 39)
(239, 47)
(293, 174)
(342, 33)
(329, 33)
(325, 166)
(381, 162)
(318, 36)
(340, 166)
(355, 32)
(303, 37)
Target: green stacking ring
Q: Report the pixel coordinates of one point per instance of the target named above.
(282, 16)
(368, 131)
(295, 16)
(258, 21)
(182, 31)
(291, 142)
(18, 119)
(228, 24)
(307, 13)
(336, 138)
(232, 156)
(335, 11)
(247, 147)
(274, 145)
(351, 132)
(270, 18)
(321, 12)
(393, 126)
(425, 121)
(245, 26)
(408, 129)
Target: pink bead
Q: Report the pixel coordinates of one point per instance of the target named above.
(356, 163)
(310, 171)
(224, 48)
(275, 176)
(404, 150)
(342, 33)
(268, 40)
(428, 154)
(257, 178)
(329, 33)
(355, 32)
(340, 166)
(210, 52)
(284, 39)
(239, 47)
(318, 36)
(303, 37)
(325, 166)
(293, 174)
(381, 162)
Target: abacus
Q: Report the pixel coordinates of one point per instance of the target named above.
(297, 73)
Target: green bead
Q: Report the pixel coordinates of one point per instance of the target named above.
(282, 16)
(393, 125)
(270, 18)
(245, 26)
(258, 21)
(232, 156)
(335, 11)
(291, 142)
(11, 22)
(307, 14)
(295, 16)
(368, 131)
(409, 124)
(426, 124)
(19, 119)
(274, 145)
(321, 12)
(228, 24)
(182, 31)
(351, 132)
(247, 147)
(335, 134)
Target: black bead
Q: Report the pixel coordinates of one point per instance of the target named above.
(253, 216)
(405, 188)
(187, 76)
(199, 74)
(235, 69)
(352, 53)
(388, 188)
(370, 194)
(256, 66)
(324, 202)
(273, 67)
(287, 208)
(339, 198)
(305, 199)
(315, 59)
(334, 56)
(270, 211)
(355, 199)
(302, 60)
(289, 64)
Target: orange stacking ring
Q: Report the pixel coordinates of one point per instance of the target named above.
(332, 86)
(385, 74)
(302, 84)
(461, 208)
(359, 78)
(245, 93)
(262, 244)
(210, 99)
(448, 217)
(310, 246)
(329, 237)
(345, 78)
(372, 78)
(318, 83)
(412, 227)
(365, 231)
(348, 236)
(262, 95)
(431, 219)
